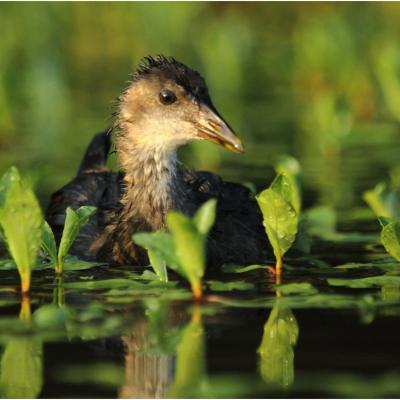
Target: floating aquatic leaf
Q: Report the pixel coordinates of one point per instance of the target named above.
(365, 283)
(21, 223)
(233, 268)
(118, 283)
(390, 236)
(219, 286)
(74, 221)
(280, 218)
(297, 288)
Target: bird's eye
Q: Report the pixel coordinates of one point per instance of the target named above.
(167, 97)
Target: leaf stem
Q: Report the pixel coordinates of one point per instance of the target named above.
(197, 290)
(25, 312)
(278, 270)
(25, 283)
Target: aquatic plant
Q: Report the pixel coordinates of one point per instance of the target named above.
(280, 217)
(383, 200)
(184, 249)
(21, 223)
(74, 221)
(390, 236)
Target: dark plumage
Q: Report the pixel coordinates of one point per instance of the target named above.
(166, 105)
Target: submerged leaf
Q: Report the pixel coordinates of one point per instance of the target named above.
(74, 221)
(21, 223)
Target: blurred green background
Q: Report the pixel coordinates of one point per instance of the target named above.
(320, 81)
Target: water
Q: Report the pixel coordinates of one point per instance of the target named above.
(318, 83)
(116, 340)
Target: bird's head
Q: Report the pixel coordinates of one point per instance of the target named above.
(167, 104)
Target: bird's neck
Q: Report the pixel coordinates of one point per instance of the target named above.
(153, 184)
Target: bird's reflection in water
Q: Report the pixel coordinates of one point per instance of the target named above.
(276, 351)
(150, 352)
(147, 374)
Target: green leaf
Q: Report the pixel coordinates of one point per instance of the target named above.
(158, 264)
(190, 246)
(21, 222)
(280, 218)
(383, 200)
(297, 288)
(390, 238)
(74, 221)
(161, 243)
(365, 283)
(49, 243)
(205, 216)
(238, 269)
(289, 167)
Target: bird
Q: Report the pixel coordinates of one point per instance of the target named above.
(165, 105)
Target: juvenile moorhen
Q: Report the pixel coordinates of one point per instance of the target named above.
(166, 105)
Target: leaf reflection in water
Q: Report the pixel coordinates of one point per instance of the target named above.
(276, 351)
(21, 366)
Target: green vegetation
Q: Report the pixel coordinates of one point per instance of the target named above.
(280, 218)
(184, 250)
(317, 81)
(74, 221)
(21, 223)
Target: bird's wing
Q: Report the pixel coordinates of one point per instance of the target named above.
(238, 234)
(94, 185)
